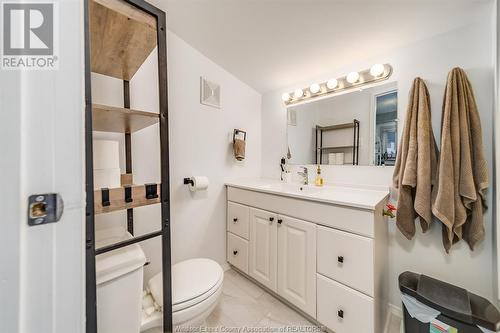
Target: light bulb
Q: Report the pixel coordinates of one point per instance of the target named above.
(285, 97)
(332, 84)
(352, 77)
(298, 93)
(377, 70)
(314, 88)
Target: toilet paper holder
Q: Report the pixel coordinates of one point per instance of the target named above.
(196, 183)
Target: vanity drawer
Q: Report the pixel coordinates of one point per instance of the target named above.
(237, 219)
(346, 258)
(237, 252)
(342, 309)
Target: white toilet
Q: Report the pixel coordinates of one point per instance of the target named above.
(196, 287)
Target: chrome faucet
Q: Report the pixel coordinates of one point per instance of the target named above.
(304, 175)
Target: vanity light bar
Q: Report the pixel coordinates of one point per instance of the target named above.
(353, 80)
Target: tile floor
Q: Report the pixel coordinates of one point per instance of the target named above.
(244, 304)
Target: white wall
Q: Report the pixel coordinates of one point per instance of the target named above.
(470, 48)
(42, 135)
(200, 144)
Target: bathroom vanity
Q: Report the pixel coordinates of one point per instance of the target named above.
(321, 249)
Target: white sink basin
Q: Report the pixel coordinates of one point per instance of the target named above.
(291, 188)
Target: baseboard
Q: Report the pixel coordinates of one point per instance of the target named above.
(392, 310)
(395, 310)
(226, 266)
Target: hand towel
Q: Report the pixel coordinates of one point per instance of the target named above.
(239, 149)
(459, 196)
(416, 163)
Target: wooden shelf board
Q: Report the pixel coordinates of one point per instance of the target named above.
(335, 127)
(121, 120)
(121, 38)
(117, 202)
(337, 147)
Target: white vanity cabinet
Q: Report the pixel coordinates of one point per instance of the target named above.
(327, 260)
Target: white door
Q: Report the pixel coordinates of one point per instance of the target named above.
(42, 286)
(297, 263)
(263, 247)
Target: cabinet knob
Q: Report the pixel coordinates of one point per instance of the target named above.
(340, 259)
(235, 220)
(235, 252)
(271, 219)
(280, 221)
(340, 313)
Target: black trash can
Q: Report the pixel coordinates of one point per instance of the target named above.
(459, 309)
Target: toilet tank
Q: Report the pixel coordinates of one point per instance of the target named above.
(119, 275)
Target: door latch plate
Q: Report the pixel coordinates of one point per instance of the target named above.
(44, 208)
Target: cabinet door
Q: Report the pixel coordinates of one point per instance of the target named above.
(263, 247)
(297, 263)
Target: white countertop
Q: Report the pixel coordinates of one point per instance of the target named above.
(365, 197)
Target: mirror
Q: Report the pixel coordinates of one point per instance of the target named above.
(359, 127)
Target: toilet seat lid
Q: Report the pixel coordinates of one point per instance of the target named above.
(190, 279)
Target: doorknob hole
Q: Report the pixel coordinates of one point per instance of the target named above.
(38, 209)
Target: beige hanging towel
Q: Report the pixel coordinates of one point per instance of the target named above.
(459, 196)
(416, 163)
(239, 149)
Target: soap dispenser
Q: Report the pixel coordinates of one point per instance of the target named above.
(319, 180)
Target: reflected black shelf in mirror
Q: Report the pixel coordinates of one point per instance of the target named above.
(355, 146)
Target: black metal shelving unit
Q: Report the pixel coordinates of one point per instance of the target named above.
(355, 145)
(164, 198)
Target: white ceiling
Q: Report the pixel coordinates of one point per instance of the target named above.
(273, 44)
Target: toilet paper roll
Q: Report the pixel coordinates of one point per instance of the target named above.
(339, 158)
(106, 154)
(200, 183)
(109, 178)
(332, 158)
